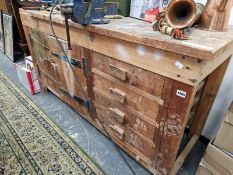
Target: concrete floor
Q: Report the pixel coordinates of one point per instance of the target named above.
(97, 146)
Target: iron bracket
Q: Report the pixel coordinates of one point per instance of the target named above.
(80, 100)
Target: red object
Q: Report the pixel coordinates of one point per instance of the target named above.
(29, 77)
(150, 14)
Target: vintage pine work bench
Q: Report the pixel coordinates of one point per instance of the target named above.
(145, 86)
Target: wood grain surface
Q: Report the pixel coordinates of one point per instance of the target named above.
(204, 45)
(143, 84)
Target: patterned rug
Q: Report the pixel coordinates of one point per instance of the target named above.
(30, 143)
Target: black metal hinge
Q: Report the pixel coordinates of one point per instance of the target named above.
(80, 100)
(81, 64)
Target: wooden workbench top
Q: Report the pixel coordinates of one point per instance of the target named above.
(204, 45)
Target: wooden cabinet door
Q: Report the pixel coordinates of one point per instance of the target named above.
(72, 73)
(40, 51)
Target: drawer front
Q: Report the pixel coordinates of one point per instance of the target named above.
(126, 117)
(147, 81)
(126, 97)
(123, 132)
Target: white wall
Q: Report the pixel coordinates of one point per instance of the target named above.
(223, 99)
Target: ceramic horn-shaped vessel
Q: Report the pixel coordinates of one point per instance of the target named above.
(216, 15)
(183, 13)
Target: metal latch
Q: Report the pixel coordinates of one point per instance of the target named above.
(81, 64)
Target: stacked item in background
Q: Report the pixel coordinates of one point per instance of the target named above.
(8, 36)
(27, 75)
(12, 39)
(123, 6)
(218, 159)
(146, 9)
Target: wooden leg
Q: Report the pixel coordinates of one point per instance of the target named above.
(172, 126)
(180, 160)
(209, 94)
(207, 99)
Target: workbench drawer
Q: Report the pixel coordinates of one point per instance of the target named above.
(124, 117)
(123, 132)
(125, 97)
(131, 75)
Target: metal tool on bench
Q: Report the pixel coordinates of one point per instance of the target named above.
(89, 12)
(86, 13)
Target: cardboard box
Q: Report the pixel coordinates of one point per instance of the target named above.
(144, 9)
(28, 78)
(216, 162)
(224, 138)
(29, 63)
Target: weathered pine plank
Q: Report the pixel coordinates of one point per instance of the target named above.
(141, 32)
(178, 67)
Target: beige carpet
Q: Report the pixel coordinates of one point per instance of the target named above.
(30, 143)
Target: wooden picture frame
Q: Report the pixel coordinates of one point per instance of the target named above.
(9, 36)
(2, 42)
(6, 7)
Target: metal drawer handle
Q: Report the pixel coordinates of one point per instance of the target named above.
(118, 132)
(117, 115)
(118, 95)
(118, 73)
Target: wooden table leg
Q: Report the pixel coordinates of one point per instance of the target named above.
(180, 160)
(173, 124)
(210, 91)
